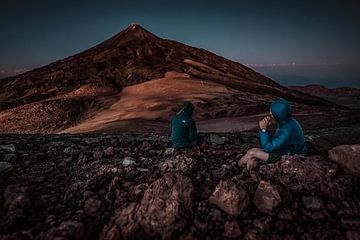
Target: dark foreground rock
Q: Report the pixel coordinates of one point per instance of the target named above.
(229, 198)
(267, 198)
(129, 187)
(348, 157)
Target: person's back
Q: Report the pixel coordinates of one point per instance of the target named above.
(183, 128)
(289, 136)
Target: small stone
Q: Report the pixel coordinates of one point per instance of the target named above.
(217, 140)
(92, 207)
(68, 150)
(9, 148)
(180, 163)
(114, 170)
(231, 229)
(109, 152)
(97, 154)
(5, 168)
(72, 229)
(128, 161)
(312, 203)
(169, 151)
(51, 220)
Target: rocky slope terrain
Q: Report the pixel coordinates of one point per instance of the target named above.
(135, 187)
(346, 96)
(136, 75)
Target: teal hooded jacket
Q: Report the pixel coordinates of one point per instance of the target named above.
(289, 136)
(183, 129)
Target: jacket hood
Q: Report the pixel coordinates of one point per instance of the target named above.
(281, 110)
(188, 107)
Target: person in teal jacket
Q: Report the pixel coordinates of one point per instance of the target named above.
(183, 128)
(288, 138)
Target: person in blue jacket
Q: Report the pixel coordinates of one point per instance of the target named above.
(183, 128)
(288, 138)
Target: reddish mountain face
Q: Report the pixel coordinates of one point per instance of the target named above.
(345, 96)
(79, 88)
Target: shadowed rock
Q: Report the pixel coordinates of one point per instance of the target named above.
(267, 198)
(229, 198)
(348, 157)
(166, 206)
(181, 163)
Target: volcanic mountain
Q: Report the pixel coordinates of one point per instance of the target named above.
(135, 81)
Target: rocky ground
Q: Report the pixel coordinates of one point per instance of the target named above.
(135, 187)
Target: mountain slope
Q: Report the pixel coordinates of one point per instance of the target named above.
(75, 89)
(345, 96)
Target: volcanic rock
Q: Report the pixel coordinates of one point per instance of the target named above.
(5, 168)
(231, 229)
(313, 203)
(181, 163)
(312, 174)
(166, 206)
(229, 198)
(123, 224)
(128, 161)
(169, 151)
(9, 148)
(15, 198)
(92, 207)
(217, 140)
(267, 198)
(348, 157)
(109, 151)
(71, 229)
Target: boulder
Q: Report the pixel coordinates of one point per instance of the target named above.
(347, 157)
(312, 174)
(267, 198)
(229, 198)
(166, 206)
(181, 163)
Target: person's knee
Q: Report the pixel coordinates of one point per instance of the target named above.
(252, 152)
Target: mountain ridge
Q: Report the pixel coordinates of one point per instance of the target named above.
(76, 88)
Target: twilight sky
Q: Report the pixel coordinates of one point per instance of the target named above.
(35, 33)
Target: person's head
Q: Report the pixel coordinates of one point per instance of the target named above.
(280, 110)
(188, 107)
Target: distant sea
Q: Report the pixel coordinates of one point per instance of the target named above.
(331, 76)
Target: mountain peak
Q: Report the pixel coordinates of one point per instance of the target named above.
(134, 26)
(134, 32)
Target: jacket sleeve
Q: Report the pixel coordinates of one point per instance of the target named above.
(276, 143)
(193, 135)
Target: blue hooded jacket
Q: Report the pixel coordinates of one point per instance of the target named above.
(289, 135)
(183, 128)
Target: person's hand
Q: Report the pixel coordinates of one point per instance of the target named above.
(242, 161)
(251, 164)
(263, 124)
